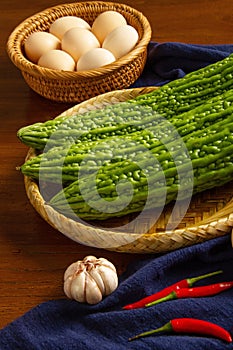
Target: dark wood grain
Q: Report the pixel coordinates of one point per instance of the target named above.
(33, 256)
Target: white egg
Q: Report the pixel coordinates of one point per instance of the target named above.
(121, 40)
(38, 43)
(62, 24)
(58, 60)
(77, 41)
(106, 22)
(94, 58)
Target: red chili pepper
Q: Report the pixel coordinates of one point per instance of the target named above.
(190, 325)
(196, 292)
(185, 283)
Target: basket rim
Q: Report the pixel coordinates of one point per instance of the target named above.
(14, 51)
(217, 224)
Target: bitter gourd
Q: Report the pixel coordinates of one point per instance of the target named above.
(212, 165)
(156, 163)
(172, 99)
(155, 133)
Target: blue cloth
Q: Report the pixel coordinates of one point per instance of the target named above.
(68, 325)
(169, 61)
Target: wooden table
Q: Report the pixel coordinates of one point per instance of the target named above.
(33, 256)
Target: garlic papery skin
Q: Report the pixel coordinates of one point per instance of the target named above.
(90, 279)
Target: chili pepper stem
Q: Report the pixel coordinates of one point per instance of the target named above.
(193, 280)
(166, 328)
(170, 296)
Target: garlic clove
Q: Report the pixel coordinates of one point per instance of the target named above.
(71, 270)
(107, 263)
(93, 293)
(78, 286)
(109, 278)
(69, 275)
(67, 287)
(98, 279)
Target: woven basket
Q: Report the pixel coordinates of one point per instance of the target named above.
(209, 214)
(69, 87)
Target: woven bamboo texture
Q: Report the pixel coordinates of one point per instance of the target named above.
(76, 87)
(210, 213)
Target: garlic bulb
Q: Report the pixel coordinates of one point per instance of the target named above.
(90, 279)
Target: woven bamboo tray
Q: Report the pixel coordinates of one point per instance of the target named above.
(210, 214)
(64, 86)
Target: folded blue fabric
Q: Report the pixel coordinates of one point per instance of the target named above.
(67, 325)
(169, 61)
